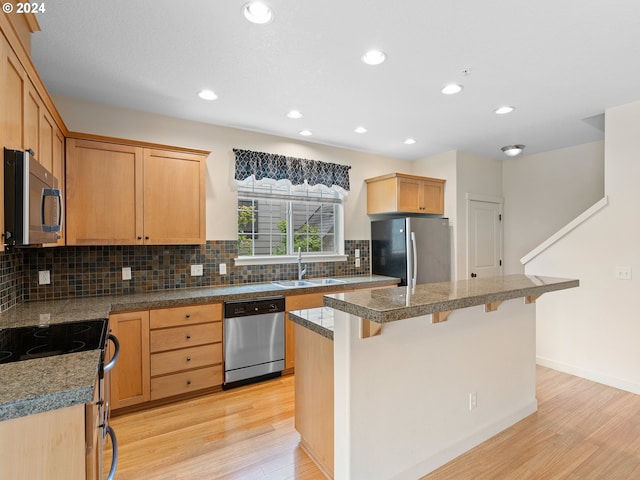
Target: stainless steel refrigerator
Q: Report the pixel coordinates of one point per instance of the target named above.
(415, 249)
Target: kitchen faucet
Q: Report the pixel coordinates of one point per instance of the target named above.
(301, 271)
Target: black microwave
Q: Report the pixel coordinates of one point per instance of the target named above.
(32, 201)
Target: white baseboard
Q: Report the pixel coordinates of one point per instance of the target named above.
(590, 375)
(445, 456)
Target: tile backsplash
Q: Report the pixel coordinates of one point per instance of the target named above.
(93, 271)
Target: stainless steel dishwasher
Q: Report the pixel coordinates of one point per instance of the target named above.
(253, 340)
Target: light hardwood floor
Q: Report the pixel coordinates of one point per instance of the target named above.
(582, 430)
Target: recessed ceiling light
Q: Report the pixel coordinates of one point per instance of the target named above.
(257, 12)
(294, 114)
(360, 130)
(409, 141)
(505, 109)
(305, 133)
(452, 88)
(374, 57)
(207, 95)
(512, 150)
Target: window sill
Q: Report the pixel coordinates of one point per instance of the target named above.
(273, 260)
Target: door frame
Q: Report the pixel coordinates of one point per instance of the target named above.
(482, 198)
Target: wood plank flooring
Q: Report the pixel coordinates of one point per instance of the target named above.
(582, 430)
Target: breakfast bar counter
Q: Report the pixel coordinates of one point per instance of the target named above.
(393, 383)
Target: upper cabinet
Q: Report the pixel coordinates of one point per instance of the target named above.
(402, 193)
(125, 194)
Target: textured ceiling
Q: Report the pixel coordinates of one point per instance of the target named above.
(560, 63)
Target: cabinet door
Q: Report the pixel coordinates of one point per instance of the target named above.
(433, 196)
(59, 172)
(174, 197)
(130, 378)
(13, 97)
(409, 195)
(32, 105)
(47, 134)
(104, 200)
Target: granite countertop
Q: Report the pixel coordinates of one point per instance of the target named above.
(392, 304)
(39, 385)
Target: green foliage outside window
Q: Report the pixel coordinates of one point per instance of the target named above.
(246, 218)
(306, 238)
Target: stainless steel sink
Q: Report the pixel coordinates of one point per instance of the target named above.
(313, 282)
(294, 283)
(326, 281)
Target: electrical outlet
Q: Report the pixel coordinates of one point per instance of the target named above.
(357, 253)
(44, 277)
(357, 262)
(473, 400)
(196, 270)
(223, 269)
(126, 273)
(623, 273)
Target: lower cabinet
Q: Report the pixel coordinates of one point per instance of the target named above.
(129, 380)
(186, 355)
(47, 445)
(166, 352)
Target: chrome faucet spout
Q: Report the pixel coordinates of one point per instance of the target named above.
(301, 271)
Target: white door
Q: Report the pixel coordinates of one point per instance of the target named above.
(485, 239)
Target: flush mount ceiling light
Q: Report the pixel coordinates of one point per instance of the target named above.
(294, 114)
(512, 150)
(409, 141)
(257, 12)
(374, 57)
(305, 133)
(207, 95)
(360, 130)
(504, 109)
(452, 89)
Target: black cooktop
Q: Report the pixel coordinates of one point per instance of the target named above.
(25, 343)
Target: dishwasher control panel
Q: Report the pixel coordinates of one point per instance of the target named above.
(258, 306)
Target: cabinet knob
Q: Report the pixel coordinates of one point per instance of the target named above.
(188, 315)
(188, 359)
(188, 382)
(146, 238)
(139, 238)
(188, 337)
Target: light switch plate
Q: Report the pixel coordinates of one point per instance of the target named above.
(223, 269)
(357, 253)
(196, 270)
(126, 273)
(44, 277)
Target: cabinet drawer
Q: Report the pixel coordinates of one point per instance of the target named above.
(185, 358)
(187, 336)
(185, 382)
(188, 315)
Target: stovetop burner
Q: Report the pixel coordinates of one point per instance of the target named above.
(25, 343)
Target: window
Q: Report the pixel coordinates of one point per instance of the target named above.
(274, 220)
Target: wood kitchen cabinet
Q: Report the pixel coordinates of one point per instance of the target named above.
(126, 194)
(47, 445)
(402, 193)
(186, 349)
(130, 379)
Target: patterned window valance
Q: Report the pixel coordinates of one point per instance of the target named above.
(260, 167)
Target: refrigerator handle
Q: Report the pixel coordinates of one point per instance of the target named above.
(415, 259)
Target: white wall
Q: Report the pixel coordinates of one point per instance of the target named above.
(401, 399)
(593, 331)
(544, 192)
(479, 176)
(86, 117)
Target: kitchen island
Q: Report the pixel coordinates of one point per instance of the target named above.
(392, 384)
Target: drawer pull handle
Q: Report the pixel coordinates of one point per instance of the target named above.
(188, 315)
(188, 359)
(188, 382)
(188, 337)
